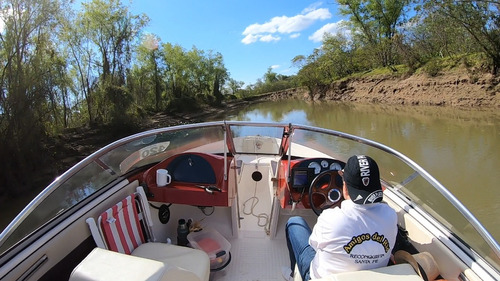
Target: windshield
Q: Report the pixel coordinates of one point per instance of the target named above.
(102, 168)
(397, 173)
(257, 139)
(114, 161)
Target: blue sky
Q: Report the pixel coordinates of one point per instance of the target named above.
(251, 35)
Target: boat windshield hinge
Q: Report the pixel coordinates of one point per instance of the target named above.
(225, 151)
(410, 178)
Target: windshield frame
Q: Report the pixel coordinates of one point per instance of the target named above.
(226, 136)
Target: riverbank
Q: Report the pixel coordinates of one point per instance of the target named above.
(446, 90)
(458, 88)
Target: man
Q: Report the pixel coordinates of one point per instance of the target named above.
(358, 235)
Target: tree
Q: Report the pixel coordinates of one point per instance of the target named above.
(234, 85)
(29, 77)
(219, 75)
(107, 30)
(481, 19)
(148, 74)
(270, 76)
(310, 74)
(194, 75)
(375, 22)
(338, 57)
(176, 71)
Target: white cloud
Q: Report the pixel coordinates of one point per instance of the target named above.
(249, 39)
(269, 38)
(295, 35)
(284, 25)
(331, 28)
(275, 66)
(312, 7)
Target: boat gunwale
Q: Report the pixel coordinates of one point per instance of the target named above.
(226, 127)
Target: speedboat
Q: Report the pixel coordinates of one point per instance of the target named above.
(210, 201)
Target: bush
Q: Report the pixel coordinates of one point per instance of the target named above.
(183, 104)
(432, 68)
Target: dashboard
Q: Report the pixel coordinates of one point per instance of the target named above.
(320, 164)
(304, 171)
(196, 179)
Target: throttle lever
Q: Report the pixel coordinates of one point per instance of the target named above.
(210, 188)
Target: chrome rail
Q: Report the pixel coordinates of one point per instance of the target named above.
(226, 125)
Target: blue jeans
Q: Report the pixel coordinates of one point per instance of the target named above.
(297, 240)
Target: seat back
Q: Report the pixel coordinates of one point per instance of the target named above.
(120, 226)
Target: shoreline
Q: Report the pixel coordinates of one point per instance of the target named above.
(446, 91)
(454, 89)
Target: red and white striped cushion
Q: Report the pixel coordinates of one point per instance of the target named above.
(120, 226)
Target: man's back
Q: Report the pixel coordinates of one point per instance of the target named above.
(353, 237)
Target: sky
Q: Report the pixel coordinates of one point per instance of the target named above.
(251, 35)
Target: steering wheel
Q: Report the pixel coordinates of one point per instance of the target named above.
(325, 191)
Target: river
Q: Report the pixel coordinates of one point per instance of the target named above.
(459, 147)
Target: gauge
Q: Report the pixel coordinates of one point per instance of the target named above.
(324, 164)
(335, 167)
(315, 166)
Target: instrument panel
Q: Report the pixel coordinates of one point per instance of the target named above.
(321, 164)
(304, 171)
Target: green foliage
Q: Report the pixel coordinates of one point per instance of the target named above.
(183, 104)
(382, 38)
(479, 20)
(270, 82)
(64, 68)
(432, 68)
(30, 80)
(374, 23)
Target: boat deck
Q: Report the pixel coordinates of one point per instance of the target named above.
(254, 258)
(255, 255)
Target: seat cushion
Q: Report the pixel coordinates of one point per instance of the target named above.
(193, 260)
(398, 272)
(105, 265)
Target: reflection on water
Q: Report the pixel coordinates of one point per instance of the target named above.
(460, 148)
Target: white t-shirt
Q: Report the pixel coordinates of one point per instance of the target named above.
(352, 237)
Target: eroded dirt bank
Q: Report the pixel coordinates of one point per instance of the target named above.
(452, 89)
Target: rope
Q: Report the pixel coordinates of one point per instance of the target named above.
(260, 217)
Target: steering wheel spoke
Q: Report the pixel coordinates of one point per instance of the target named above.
(326, 205)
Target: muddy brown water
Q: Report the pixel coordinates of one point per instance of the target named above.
(459, 147)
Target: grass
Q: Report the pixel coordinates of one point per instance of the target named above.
(471, 62)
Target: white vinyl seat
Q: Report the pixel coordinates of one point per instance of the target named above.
(105, 265)
(123, 229)
(181, 257)
(398, 272)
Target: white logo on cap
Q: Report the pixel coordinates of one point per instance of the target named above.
(374, 196)
(358, 198)
(364, 169)
(366, 181)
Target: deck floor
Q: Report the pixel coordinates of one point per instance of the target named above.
(256, 255)
(254, 258)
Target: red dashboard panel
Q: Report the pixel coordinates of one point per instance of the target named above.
(289, 193)
(189, 171)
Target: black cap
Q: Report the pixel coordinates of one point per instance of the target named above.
(362, 177)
